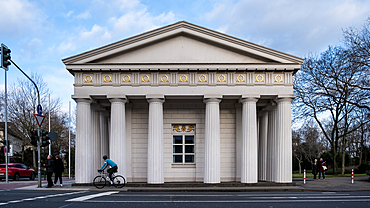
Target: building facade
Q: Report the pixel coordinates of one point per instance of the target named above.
(184, 103)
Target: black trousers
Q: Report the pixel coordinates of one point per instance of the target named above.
(50, 182)
(58, 175)
(111, 171)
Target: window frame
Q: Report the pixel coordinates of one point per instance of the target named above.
(183, 145)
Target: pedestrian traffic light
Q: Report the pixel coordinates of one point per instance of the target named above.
(5, 145)
(44, 138)
(34, 137)
(5, 57)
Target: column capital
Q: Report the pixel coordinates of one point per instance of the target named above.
(155, 100)
(248, 99)
(120, 100)
(285, 98)
(83, 100)
(212, 98)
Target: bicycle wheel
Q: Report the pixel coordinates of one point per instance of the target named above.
(119, 181)
(99, 182)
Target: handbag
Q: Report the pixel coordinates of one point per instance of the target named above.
(324, 167)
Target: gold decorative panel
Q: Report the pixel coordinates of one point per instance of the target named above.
(126, 78)
(88, 78)
(259, 78)
(164, 78)
(278, 78)
(221, 78)
(107, 78)
(183, 78)
(183, 128)
(145, 78)
(240, 78)
(202, 78)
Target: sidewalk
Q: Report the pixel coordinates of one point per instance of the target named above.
(335, 184)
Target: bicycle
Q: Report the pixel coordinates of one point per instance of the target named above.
(103, 179)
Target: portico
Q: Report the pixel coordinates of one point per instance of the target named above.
(184, 103)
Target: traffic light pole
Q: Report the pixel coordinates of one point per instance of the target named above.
(6, 130)
(38, 128)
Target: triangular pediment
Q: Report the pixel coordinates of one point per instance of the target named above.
(180, 43)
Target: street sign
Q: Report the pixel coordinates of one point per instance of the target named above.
(53, 136)
(39, 119)
(39, 109)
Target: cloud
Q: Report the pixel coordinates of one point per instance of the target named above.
(85, 15)
(19, 17)
(296, 27)
(68, 14)
(63, 47)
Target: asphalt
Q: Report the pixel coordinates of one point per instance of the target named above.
(332, 184)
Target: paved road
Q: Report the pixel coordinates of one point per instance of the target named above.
(80, 199)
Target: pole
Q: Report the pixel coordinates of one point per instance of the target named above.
(352, 177)
(49, 128)
(38, 128)
(69, 141)
(6, 130)
(304, 176)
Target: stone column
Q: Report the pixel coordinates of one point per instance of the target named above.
(104, 133)
(271, 146)
(212, 141)
(117, 142)
(284, 141)
(83, 151)
(262, 146)
(95, 142)
(155, 141)
(249, 169)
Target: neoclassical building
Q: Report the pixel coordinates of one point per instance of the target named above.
(184, 103)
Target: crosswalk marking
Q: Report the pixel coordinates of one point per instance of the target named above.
(83, 198)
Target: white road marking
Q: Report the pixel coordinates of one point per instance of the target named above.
(236, 201)
(40, 197)
(83, 198)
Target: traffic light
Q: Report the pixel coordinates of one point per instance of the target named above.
(5, 145)
(5, 57)
(34, 138)
(44, 138)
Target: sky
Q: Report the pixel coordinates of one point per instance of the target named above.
(41, 33)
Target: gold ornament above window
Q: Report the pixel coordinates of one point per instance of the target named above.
(145, 78)
(164, 78)
(183, 128)
(240, 78)
(278, 78)
(221, 78)
(183, 78)
(202, 78)
(259, 78)
(107, 78)
(88, 78)
(126, 78)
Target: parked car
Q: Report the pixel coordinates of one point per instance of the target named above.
(17, 171)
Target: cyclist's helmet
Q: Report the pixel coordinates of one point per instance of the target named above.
(105, 157)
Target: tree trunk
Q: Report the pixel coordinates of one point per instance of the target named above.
(300, 168)
(343, 158)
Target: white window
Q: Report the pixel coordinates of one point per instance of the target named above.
(183, 144)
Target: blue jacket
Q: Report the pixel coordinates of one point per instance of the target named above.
(106, 163)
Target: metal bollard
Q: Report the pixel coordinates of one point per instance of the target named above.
(304, 176)
(352, 177)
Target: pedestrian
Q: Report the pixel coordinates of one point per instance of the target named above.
(58, 170)
(314, 169)
(49, 171)
(322, 167)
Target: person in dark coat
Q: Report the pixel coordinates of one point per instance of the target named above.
(49, 171)
(58, 170)
(322, 167)
(314, 169)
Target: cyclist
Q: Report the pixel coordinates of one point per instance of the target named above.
(112, 164)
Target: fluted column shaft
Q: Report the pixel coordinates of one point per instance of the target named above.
(262, 146)
(271, 146)
(83, 145)
(95, 142)
(284, 141)
(104, 133)
(117, 142)
(155, 142)
(212, 152)
(249, 169)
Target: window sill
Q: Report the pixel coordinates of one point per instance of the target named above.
(183, 165)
